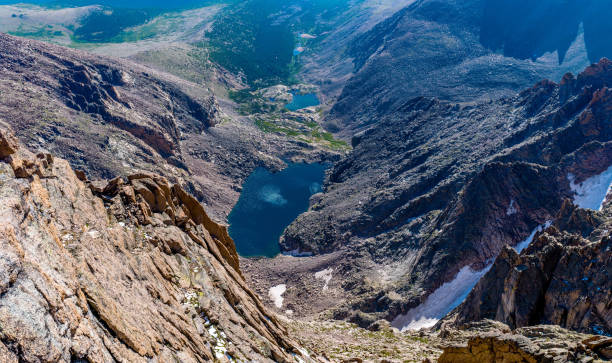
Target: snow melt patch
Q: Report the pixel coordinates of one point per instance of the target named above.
(297, 253)
(441, 302)
(591, 193)
(511, 208)
(221, 342)
(527, 241)
(94, 234)
(325, 275)
(276, 294)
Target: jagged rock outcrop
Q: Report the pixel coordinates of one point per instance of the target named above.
(129, 270)
(489, 342)
(562, 278)
(437, 186)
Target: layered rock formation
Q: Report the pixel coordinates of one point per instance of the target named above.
(438, 186)
(130, 270)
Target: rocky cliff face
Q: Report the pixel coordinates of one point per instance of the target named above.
(562, 278)
(128, 270)
(439, 186)
(465, 51)
(113, 117)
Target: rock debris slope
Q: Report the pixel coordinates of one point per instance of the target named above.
(130, 270)
(437, 186)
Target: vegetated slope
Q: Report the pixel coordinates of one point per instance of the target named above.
(131, 269)
(467, 50)
(254, 38)
(112, 117)
(437, 186)
(257, 38)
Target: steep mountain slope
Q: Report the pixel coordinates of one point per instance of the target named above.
(467, 50)
(325, 61)
(111, 117)
(562, 278)
(437, 188)
(127, 270)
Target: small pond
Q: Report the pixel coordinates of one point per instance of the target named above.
(302, 101)
(269, 202)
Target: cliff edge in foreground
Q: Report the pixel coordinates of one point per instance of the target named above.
(131, 270)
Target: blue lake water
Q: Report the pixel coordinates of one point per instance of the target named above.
(269, 202)
(302, 101)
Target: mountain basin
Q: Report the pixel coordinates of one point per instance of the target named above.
(269, 202)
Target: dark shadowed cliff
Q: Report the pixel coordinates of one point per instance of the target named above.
(467, 50)
(437, 186)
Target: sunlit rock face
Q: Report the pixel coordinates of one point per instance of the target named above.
(131, 269)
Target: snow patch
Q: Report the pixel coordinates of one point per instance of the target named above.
(511, 208)
(94, 234)
(591, 193)
(441, 302)
(304, 352)
(276, 294)
(527, 241)
(325, 275)
(221, 343)
(297, 253)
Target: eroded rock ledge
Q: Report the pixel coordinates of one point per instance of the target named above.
(131, 270)
(495, 342)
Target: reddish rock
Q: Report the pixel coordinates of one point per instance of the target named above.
(8, 143)
(103, 273)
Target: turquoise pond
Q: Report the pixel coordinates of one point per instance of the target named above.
(269, 202)
(302, 101)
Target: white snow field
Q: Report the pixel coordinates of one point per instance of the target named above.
(441, 302)
(591, 193)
